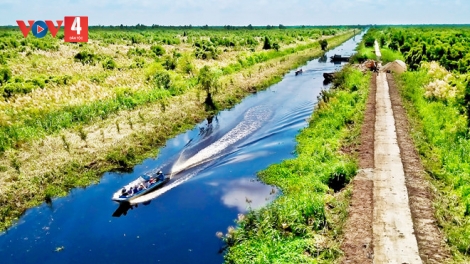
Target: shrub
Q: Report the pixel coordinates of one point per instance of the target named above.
(109, 64)
(39, 81)
(5, 75)
(170, 62)
(162, 79)
(136, 52)
(267, 43)
(11, 89)
(276, 46)
(324, 44)
(208, 80)
(138, 63)
(157, 50)
(369, 41)
(3, 60)
(86, 57)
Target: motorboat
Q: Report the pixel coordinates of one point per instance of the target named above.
(140, 186)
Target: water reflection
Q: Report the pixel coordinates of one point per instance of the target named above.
(247, 193)
(125, 207)
(323, 59)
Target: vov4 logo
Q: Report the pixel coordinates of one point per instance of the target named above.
(75, 28)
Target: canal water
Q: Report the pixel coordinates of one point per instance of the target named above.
(213, 179)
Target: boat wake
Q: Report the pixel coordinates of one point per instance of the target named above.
(253, 119)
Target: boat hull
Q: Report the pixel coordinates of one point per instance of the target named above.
(117, 197)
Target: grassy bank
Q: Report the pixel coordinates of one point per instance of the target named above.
(50, 164)
(304, 225)
(440, 133)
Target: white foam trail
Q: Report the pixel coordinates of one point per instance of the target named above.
(164, 189)
(253, 120)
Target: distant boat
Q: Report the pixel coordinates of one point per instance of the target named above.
(339, 58)
(142, 185)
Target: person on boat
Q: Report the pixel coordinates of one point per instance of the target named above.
(160, 175)
(124, 192)
(141, 187)
(135, 189)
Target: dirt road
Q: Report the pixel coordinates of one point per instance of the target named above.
(394, 239)
(391, 219)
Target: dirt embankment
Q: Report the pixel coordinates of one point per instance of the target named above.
(360, 236)
(357, 244)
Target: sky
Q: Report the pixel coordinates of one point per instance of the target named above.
(240, 12)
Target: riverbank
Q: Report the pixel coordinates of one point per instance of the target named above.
(305, 223)
(51, 166)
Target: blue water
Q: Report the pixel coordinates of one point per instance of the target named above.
(177, 223)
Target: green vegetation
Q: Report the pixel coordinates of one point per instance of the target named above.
(436, 94)
(120, 84)
(208, 81)
(304, 224)
(440, 132)
(324, 44)
(446, 45)
(363, 53)
(70, 112)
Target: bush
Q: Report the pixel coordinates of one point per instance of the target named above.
(276, 46)
(3, 60)
(136, 52)
(162, 79)
(267, 43)
(170, 62)
(5, 75)
(369, 41)
(11, 89)
(324, 44)
(157, 50)
(39, 81)
(86, 57)
(206, 50)
(138, 63)
(109, 64)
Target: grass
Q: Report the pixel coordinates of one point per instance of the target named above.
(304, 225)
(389, 55)
(363, 53)
(48, 163)
(35, 116)
(440, 132)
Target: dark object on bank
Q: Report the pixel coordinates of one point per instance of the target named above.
(329, 76)
(298, 72)
(339, 58)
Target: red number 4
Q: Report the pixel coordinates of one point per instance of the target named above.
(76, 29)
